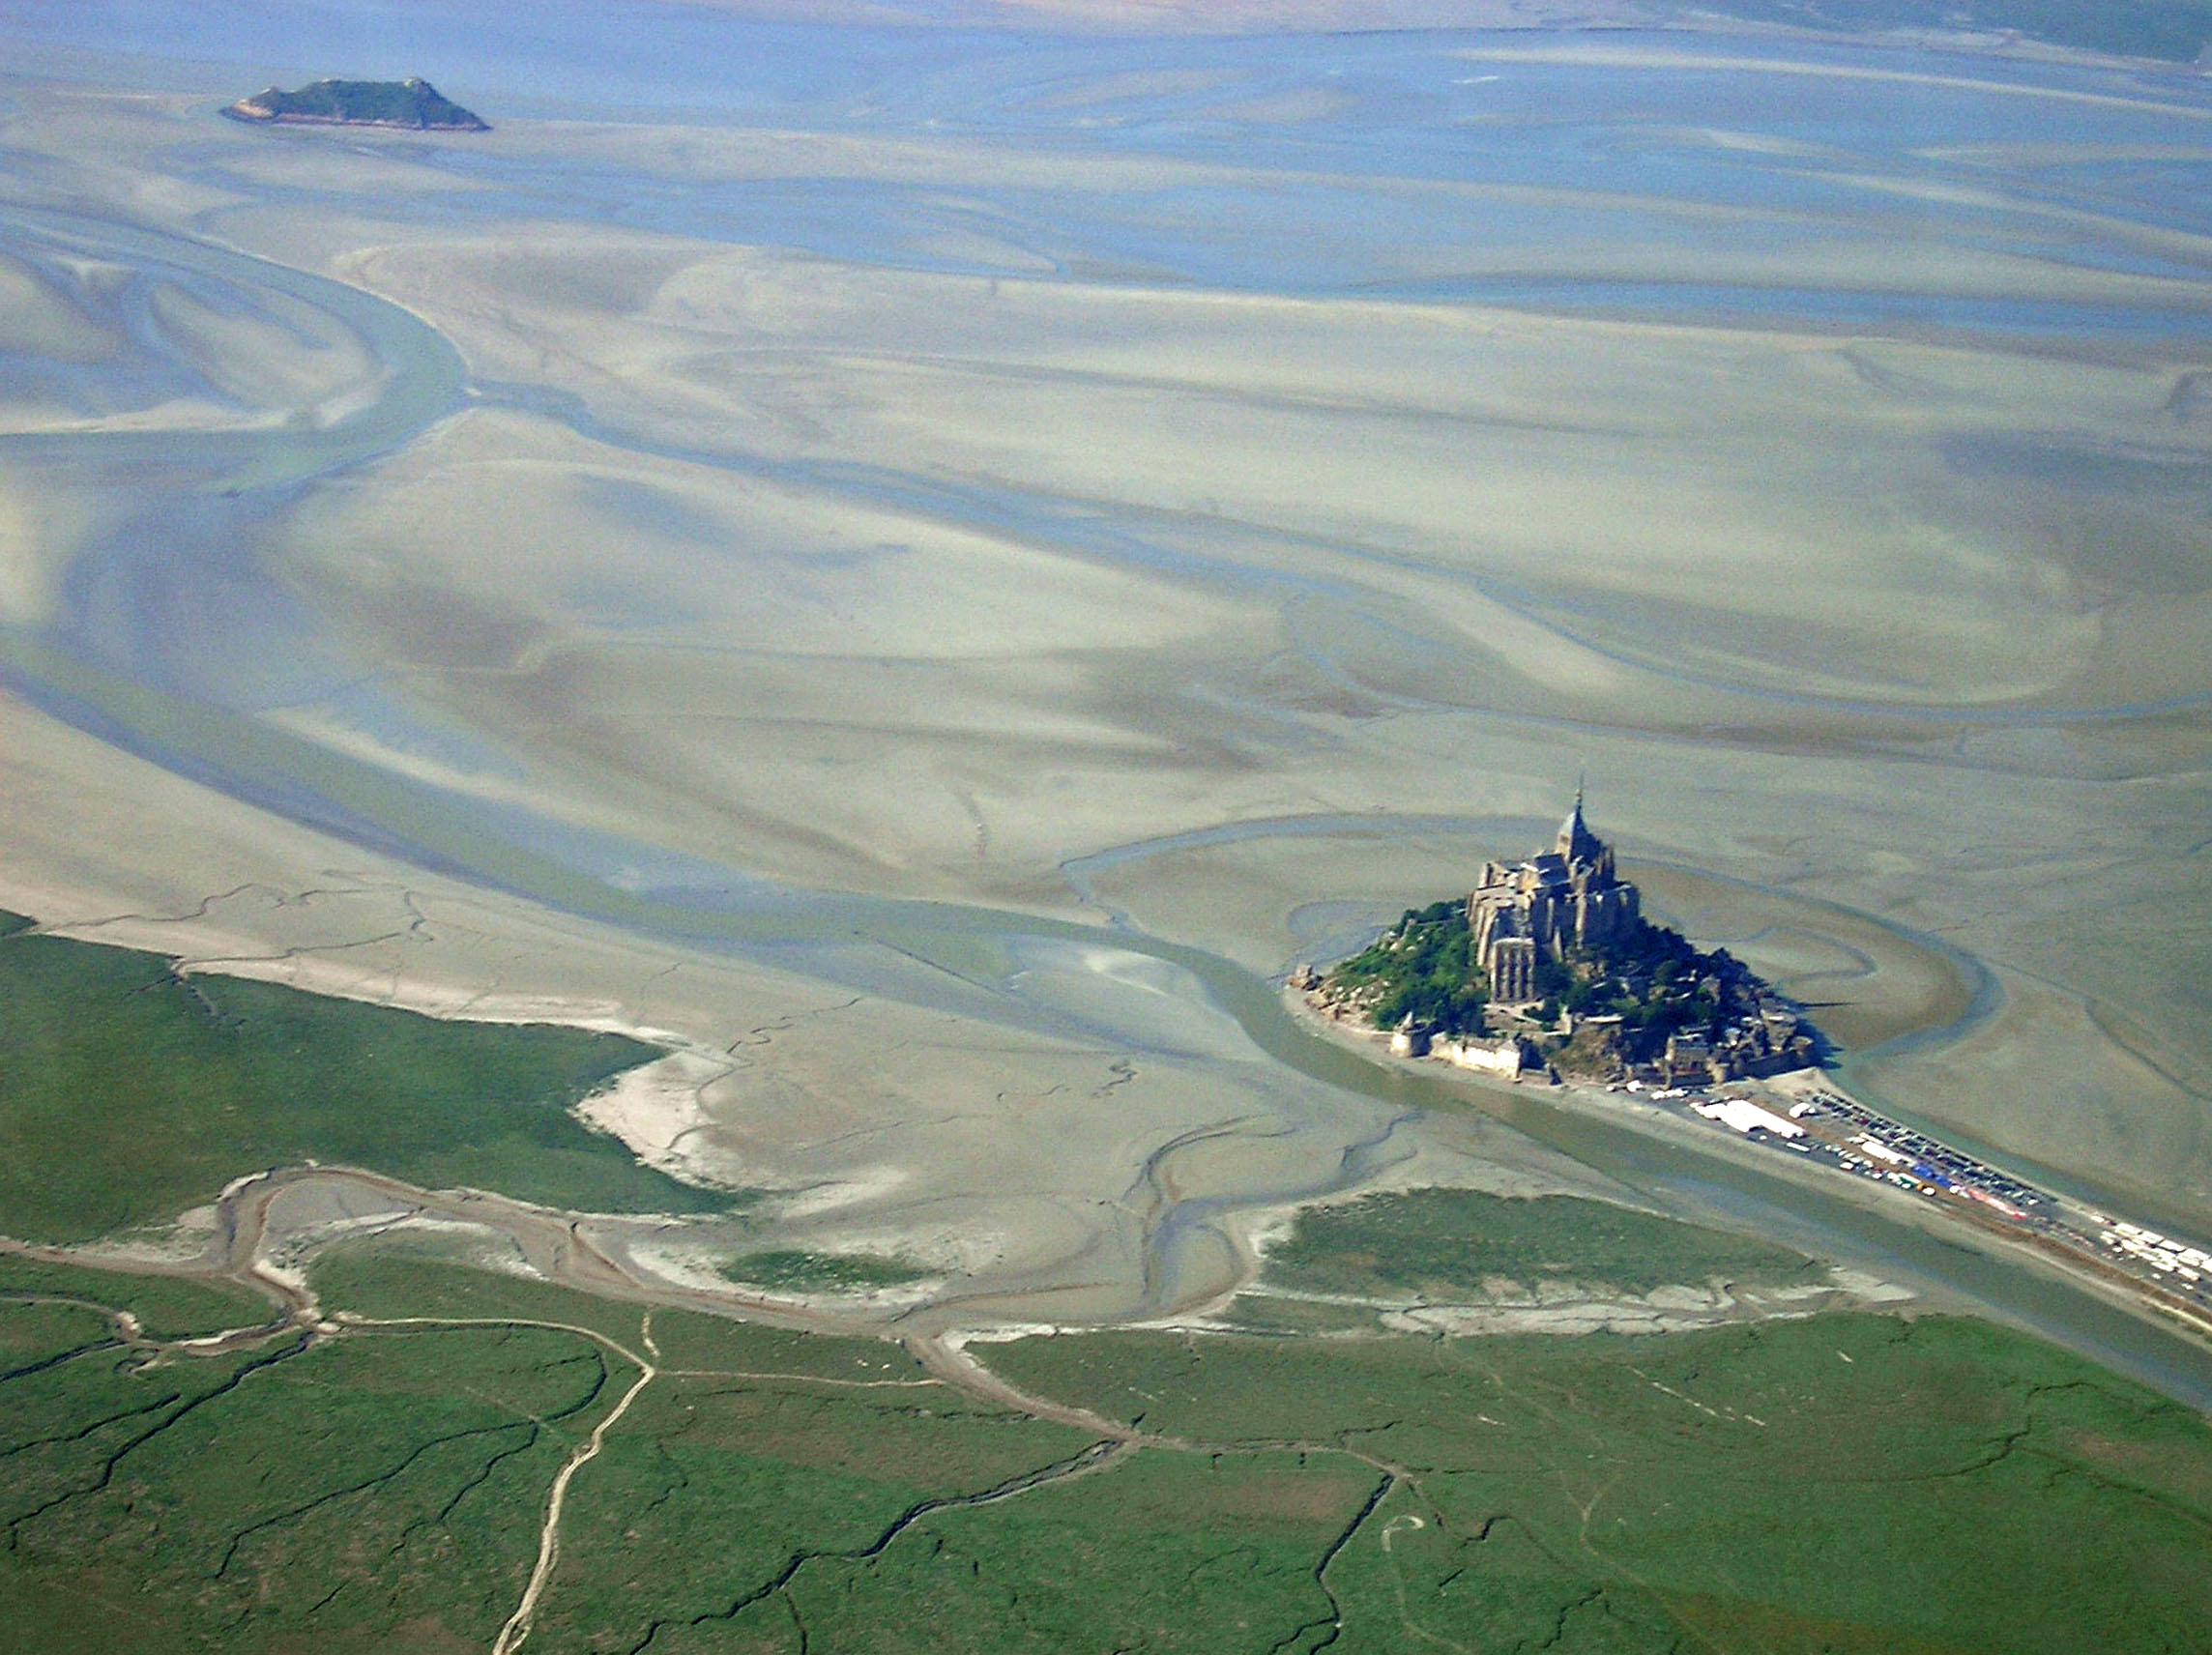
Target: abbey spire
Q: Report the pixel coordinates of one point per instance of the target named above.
(1577, 843)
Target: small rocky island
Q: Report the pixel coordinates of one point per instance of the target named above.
(1550, 965)
(411, 106)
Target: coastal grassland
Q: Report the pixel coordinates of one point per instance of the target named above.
(395, 1278)
(360, 1495)
(1167, 1551)
(1434, 1242)
(1840, 1484)
(901, 1517)
(822, 1273)
(376, 1281)
(383, 1488)
(131, 1093)
(1837, 1483)
(799, 1480)
(167, 1307)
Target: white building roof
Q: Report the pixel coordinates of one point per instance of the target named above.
(1745, 1115)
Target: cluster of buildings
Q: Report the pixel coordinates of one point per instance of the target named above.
(1565, 926)
(1570, 900)
(1760, 1034)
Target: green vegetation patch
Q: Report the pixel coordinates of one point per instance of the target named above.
(1422, 968)
(1436, 1242)
(386, 1280)
(1837, 1483)
(167, 1307)
(1168, 1553)
(716, 1489)
(365, 1495)
(129, 1093)
(383, 1489)
(822, 1273)
(1846, 1485)
(692, 1340)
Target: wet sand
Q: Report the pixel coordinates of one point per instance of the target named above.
(855, 578)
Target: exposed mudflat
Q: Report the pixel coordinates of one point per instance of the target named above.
(924, 572)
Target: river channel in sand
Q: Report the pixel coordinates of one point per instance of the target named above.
(930, 575)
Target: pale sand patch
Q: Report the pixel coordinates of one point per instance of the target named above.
(717, 154)
(1563, 1321)
(38, 531)
(177, 1244)
(39, 321)
(858, 1187)
(541, 529)
(1568, 1309)
(657, 1113)
(1872, 1289)
(1004, 1333)
(1123, 430)
(296, 1246)
(806, 306)
(691, 1266)
(279, 355)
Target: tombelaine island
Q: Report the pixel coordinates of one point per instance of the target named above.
(411, 105)
(1548, 969)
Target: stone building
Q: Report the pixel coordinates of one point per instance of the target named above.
(1563, 898)
(1506, 1057)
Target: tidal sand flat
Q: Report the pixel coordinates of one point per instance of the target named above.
(922, 545)
(918, 572)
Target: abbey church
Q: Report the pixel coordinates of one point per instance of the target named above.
(1559, 899)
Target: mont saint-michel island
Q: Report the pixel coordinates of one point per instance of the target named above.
(1550, 965)
(411, 106)
(1550, 970)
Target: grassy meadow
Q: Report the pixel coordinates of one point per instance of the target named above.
(1831, 1486)
(1436, 1242)
(130, 1093)
(794, 1271)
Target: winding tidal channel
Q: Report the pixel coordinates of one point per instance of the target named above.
(170, 640)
